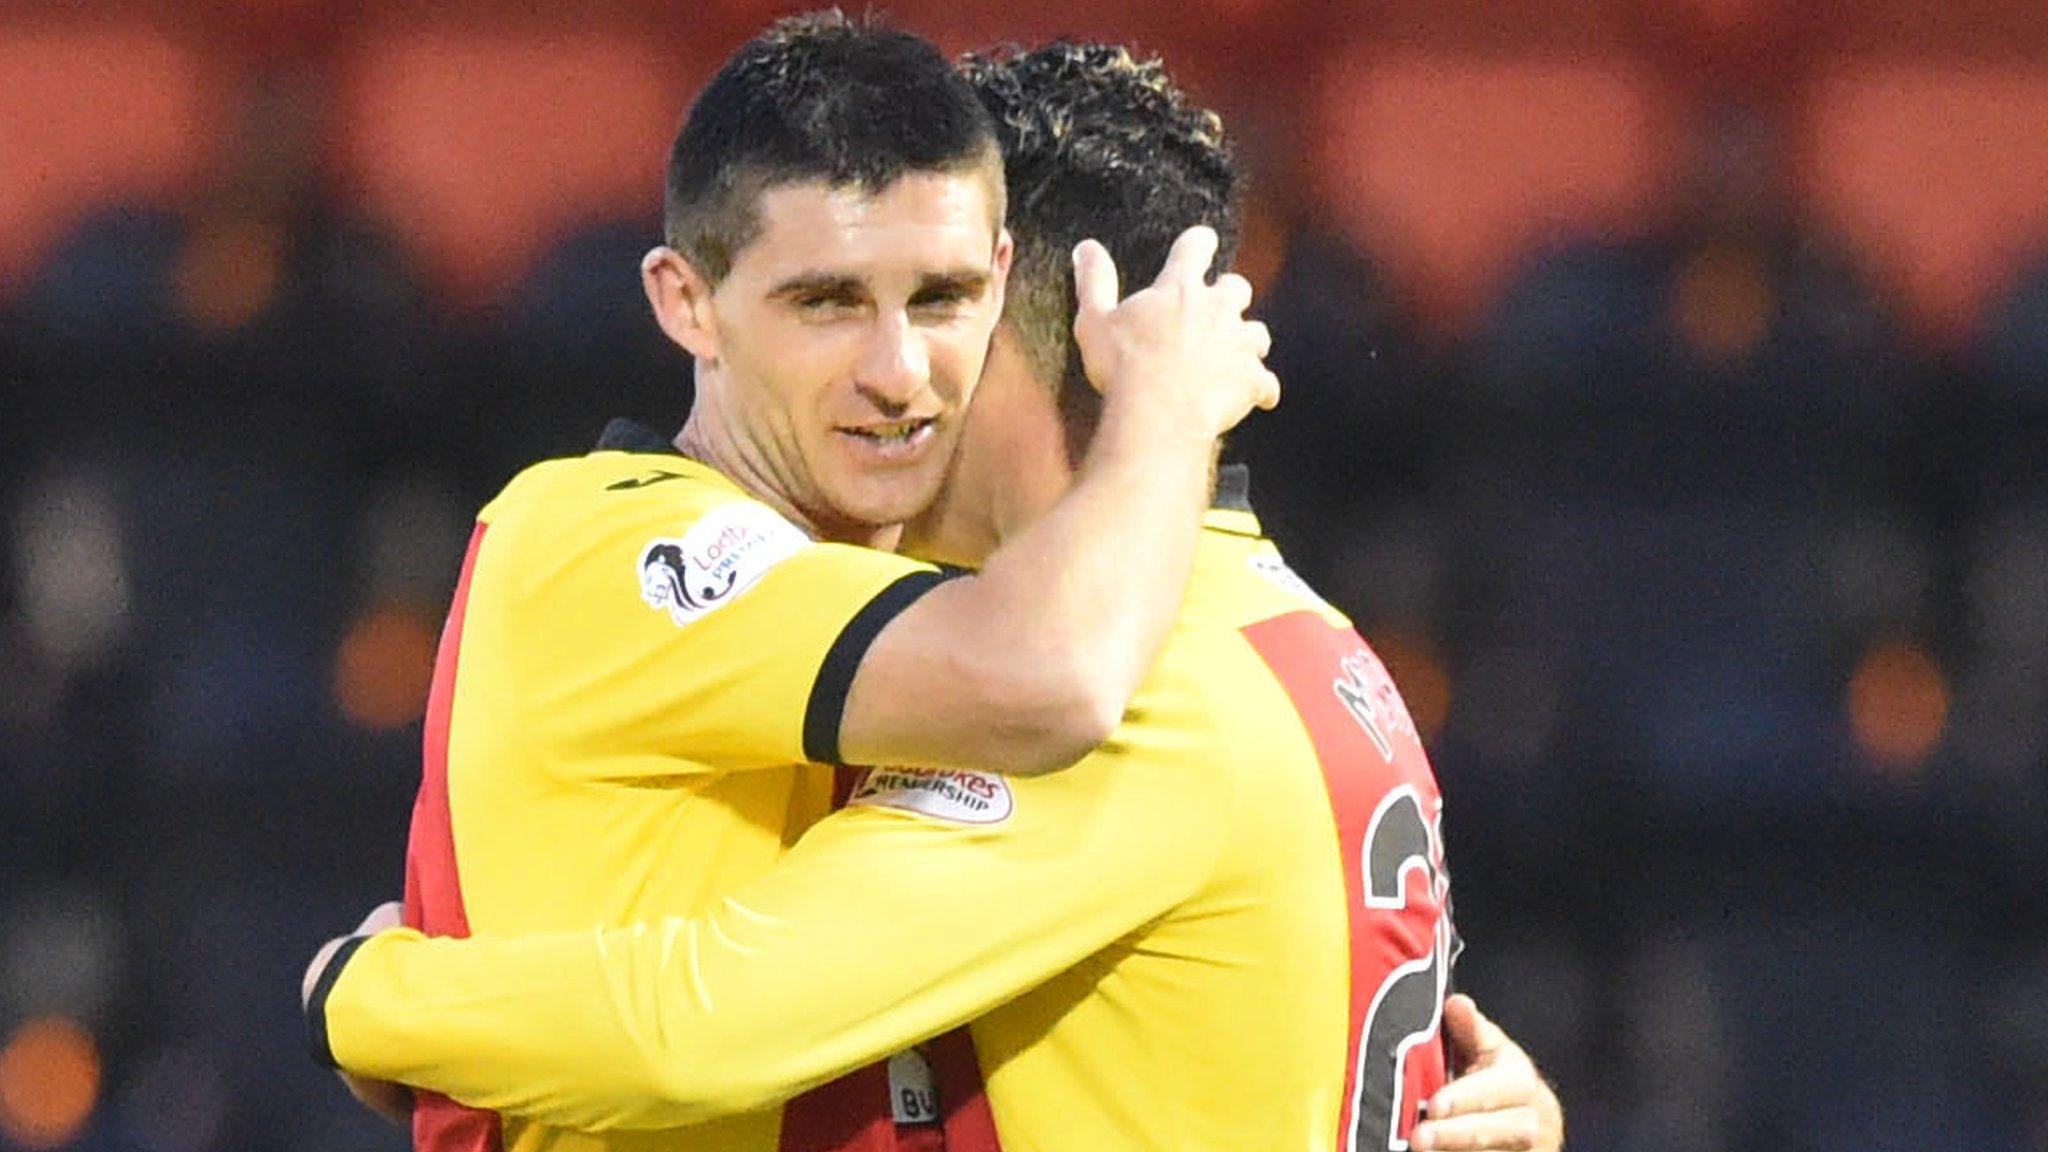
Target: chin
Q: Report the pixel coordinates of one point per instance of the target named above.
(889, 503)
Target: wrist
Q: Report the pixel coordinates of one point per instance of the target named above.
(1167, 425)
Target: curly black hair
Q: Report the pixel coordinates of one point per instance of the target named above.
(1097, 142)
(820, 96)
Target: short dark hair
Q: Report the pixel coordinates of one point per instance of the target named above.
(1096, 142)
(821, 96)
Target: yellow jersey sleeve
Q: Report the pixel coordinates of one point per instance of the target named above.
(933, 897)
(675, 627)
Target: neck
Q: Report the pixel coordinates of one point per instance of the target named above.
(955, 530)
(709, 440)
(1011, 469)
(989, 497)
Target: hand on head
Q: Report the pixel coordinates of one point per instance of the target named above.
(1183, 340)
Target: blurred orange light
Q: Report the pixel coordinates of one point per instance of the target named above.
(1723, 304)
(1420, 676)
(1898, 705)
(231, 272)
(49, 1082)
(384, 668)
(1262, 242)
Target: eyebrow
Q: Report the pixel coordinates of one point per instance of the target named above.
(818, 284)
(956, 282)
(964, 282)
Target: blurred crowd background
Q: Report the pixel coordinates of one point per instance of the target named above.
(1667, 399)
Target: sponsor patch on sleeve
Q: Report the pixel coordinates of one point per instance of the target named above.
(958, 796)
(721, 556)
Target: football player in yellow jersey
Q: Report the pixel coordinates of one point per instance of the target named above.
(653, 658)
(1226, 929)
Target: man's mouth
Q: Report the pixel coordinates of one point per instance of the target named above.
(894, 433)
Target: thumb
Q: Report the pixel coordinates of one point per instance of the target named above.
(389, 914)
(1473, 1038)
(1095, 279)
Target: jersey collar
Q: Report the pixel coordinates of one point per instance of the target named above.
(1233, 489)
(622, 435)
(1230, 509)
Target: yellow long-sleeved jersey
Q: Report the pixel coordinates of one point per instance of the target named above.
(609, 739)
(1226, 929)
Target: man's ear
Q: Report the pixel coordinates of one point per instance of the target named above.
(681, 299)
(1006, 252)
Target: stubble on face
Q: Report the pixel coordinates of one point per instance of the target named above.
(850, 334)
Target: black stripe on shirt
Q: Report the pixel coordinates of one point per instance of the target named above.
(316, 1004)
(835, 675)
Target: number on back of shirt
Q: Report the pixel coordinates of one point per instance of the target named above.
(1389, 842)
(1408, 1006)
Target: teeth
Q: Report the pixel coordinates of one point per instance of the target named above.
(891, 432)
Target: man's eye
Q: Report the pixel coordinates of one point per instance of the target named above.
(941, 303)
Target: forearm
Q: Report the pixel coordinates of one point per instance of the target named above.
(878, 931)
(1092, 589)
(663, 1024)
(530, 1025)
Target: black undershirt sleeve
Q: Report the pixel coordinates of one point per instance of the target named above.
(316, 1004)
(835, 675)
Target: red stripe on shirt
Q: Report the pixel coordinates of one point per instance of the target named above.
(1305, 653)
(850, 1114)
(854, 1113)
(433, 881)
(970, 1124)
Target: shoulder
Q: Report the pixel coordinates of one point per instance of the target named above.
(1241, 579)
(690, 536)
(1251, 638)
(609, 486)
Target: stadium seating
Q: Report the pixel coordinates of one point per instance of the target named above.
(1221, 50)
(93, 113)
(1937, 173)
(1451, 164)
(482, 147)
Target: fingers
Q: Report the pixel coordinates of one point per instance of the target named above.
(1500, 1102)
(1266, 396)
(1266, 391)
(1095, 279)
(1473, 1038)
(1505, 1085)
(389, 914)
(1261, 337)
(317, 966)
(1179, 329)
(1191, 255)
(391, 1101)
(1234, 291)
(1512, 1130)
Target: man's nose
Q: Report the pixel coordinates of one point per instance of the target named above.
(896, 365)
